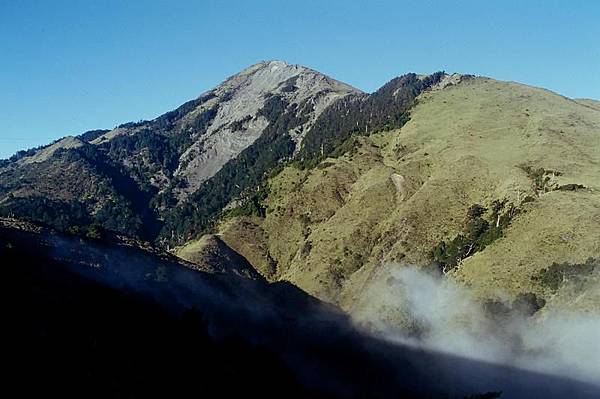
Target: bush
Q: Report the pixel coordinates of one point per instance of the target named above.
(558, 274)
(477, 234)
(92, 135)
(528, 303)
(252, 205)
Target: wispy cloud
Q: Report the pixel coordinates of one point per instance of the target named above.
(421, 309)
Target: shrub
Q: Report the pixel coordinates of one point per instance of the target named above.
(558, 274)
(477, 234)
(528, 303)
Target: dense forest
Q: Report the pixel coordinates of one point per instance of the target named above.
(386, 109)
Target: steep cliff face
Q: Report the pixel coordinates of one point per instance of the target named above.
(238, 121)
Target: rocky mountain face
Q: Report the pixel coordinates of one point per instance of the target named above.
(224, 121)
(241, 115)
(124, 179)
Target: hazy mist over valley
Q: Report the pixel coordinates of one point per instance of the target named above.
(443, 316)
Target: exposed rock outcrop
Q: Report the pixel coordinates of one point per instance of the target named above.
(238, 124)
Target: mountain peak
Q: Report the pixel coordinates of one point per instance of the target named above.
(242, 105)
(268, 75)
(274, 63)
(270, 65)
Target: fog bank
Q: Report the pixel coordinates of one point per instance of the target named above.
(425, 310)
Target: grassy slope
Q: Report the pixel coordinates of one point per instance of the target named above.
(331, 228)
(211, 254)
(589, 102)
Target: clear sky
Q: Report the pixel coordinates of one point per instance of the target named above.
(70, 66)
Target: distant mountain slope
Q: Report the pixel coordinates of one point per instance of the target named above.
(221, 123)
(76, 189)
(241, 117)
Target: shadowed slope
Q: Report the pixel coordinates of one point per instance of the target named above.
(96, 319)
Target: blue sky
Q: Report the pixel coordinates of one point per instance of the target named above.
(71, 66)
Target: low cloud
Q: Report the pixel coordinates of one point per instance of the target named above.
(425, 310)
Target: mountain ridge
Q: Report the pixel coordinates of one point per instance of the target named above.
(165, 158)
(331, 182)
(451, 213)
(149, 169)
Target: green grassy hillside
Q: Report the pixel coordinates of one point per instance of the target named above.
(529, 157)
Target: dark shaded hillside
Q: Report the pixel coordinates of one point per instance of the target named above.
(110, 184)
(73, 337)
(76, 189)
(88, 318)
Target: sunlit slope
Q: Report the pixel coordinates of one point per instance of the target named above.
(396, 195)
